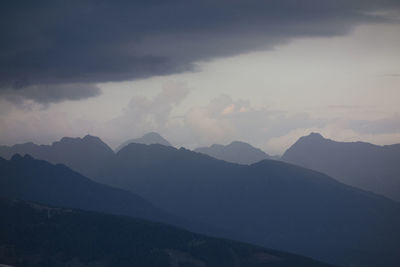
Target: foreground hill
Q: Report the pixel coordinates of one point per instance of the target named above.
(39, 181)
(235, 152)
(367, 166)
(84, 155)
(147, 139)
(271, 203)
(35, 235)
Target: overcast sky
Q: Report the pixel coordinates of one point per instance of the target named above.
(200, 72)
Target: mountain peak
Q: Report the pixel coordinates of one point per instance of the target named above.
(315, 136)
(16, 157)
(150, 138)
(89, 137)
(364, 165)
(236, 152)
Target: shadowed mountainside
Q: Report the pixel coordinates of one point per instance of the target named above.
(270, 203)
(36, 235)
(367, 166)
(235, 152)
(147, 139)
(39, 181)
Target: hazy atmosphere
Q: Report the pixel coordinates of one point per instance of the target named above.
(176, 133)
(200, 73)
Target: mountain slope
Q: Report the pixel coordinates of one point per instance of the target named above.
(84, 155)
(147, 139)
(235, 152)
(367, 166)
(60, 237)
(39, 181)
(271, 203)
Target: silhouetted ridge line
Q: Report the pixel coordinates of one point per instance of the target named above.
(147, 139)
(364, 165)
(235, 152)
(52, 236)
(84, 155)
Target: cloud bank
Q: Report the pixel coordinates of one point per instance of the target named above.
(49, 44)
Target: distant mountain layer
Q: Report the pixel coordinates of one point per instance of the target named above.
(36, 235)
(147, 139)
(39, 181)
(370, 167)
(236, 152)
(270, 203)
(84, 155)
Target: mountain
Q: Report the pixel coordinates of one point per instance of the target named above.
(236, 152)
(270, 203)
(39, 181)
(367, 166)
(48, 236)
(147, 139)
(84, 155)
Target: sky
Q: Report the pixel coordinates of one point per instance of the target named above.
(200, 72)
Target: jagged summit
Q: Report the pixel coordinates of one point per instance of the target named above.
(84, 155)
(86, 139)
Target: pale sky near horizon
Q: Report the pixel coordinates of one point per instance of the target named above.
(344, 85)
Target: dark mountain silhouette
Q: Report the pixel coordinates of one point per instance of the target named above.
(36, 235)
(147, 139)
(270, 203)
(236, 152)
(84, 155)
(367, 166)
(39, 181)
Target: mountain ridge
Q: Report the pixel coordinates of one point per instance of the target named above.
(269, 203)
(150, 138)
(84, 155)
(34, 180)
(235, 152)
(70, 237)
(364, 165)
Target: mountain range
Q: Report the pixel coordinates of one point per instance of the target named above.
(367, 166)
(84, 155)
(25, 178)
(235, 152)
(270, 203)
(38, 235)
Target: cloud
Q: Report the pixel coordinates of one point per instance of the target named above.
(388, 125)
(45, 94)
(224, 120)
(145, 114)
(86, 42)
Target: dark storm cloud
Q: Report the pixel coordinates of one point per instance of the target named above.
(57, 42)
(50, 93)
